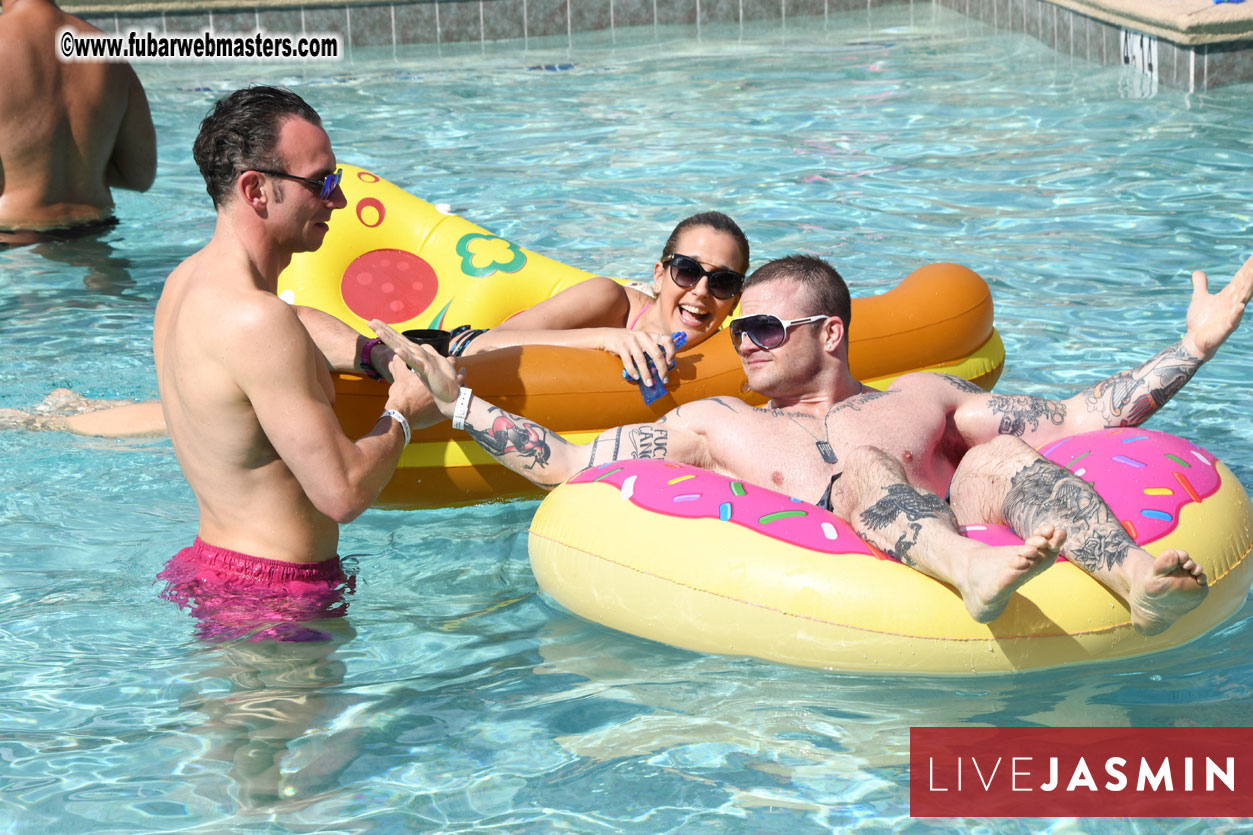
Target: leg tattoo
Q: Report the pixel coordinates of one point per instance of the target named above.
(1044, 492)
(916, 505)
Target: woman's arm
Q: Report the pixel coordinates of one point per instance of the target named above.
(592, 314)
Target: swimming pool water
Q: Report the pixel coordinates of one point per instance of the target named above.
(455, 698)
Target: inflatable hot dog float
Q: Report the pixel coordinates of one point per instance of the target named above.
(392, 256)
(690, 558)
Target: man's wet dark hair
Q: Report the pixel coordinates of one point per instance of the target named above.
(828, 294)
(714, 220)
(241, 133)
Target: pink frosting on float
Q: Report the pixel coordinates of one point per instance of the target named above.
(1146, 477)
(692, 493)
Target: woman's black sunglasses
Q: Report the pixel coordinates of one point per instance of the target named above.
(767, 331)
(687, 273)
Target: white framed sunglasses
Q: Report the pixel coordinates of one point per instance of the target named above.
(766, 330)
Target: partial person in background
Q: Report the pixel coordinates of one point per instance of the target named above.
(69, 130)
(695, 285)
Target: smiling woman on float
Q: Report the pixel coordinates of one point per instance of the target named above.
(695, 285)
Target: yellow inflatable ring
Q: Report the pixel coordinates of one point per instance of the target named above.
(689, 558)
(393, 256)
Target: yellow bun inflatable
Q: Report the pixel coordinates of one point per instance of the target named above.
(690, 558)
(392, 256)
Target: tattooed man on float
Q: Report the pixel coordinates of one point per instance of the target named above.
(884, 458)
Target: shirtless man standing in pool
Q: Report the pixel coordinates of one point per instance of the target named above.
(246, 392)
(899, 449)
(68, 130)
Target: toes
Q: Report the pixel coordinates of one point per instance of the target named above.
(1033, 549)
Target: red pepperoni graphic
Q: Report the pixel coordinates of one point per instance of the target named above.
(367, 177)
(388, 284)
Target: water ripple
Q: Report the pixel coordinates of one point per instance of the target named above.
(454, 696)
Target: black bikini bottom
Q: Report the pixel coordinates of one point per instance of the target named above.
(25, 237)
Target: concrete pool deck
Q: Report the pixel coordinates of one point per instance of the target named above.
(1189, 44)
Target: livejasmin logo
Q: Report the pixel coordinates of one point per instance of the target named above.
(1085, 772)
(1019, 775)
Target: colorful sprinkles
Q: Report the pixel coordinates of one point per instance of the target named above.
(782, 514)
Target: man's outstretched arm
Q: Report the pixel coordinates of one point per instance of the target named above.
(1128, 398)
(524, 446)
(548, 459)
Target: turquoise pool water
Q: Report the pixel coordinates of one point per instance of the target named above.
(455, 698)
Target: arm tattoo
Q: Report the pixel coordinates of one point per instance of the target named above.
(854, 403)
(1044, 492)
(962, 384)
(512, 434)
(648, 442)
(721, 402)
(916, 505)
(1020, 412)
(1131, 397)
(677, 411)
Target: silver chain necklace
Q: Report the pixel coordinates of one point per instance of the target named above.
(823, 446)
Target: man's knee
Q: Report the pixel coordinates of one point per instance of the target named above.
(984, 475)
(1007, 447)
(1002, 456)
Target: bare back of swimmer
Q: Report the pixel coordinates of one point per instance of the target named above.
(69, 131)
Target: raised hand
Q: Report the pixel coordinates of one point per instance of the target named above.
(1214, 317)
(437, 373)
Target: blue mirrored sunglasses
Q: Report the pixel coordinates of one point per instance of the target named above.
(327, 184)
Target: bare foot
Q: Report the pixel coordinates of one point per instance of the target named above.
(17, 419)
(69, 402)
(996, 572)
(1174, 586)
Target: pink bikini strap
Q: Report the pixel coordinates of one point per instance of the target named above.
(631, 326)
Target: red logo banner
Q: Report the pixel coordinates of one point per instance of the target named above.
(1081, 772)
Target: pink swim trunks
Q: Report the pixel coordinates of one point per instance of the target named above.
(234, 595)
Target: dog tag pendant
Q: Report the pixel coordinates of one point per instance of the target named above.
(824, 449)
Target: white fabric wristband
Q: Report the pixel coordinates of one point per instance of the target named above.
(399, 418)
(463, 406)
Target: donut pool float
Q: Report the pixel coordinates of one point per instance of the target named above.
(690, 558)
(392, 256)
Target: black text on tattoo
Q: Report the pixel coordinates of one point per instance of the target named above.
(648, 442)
